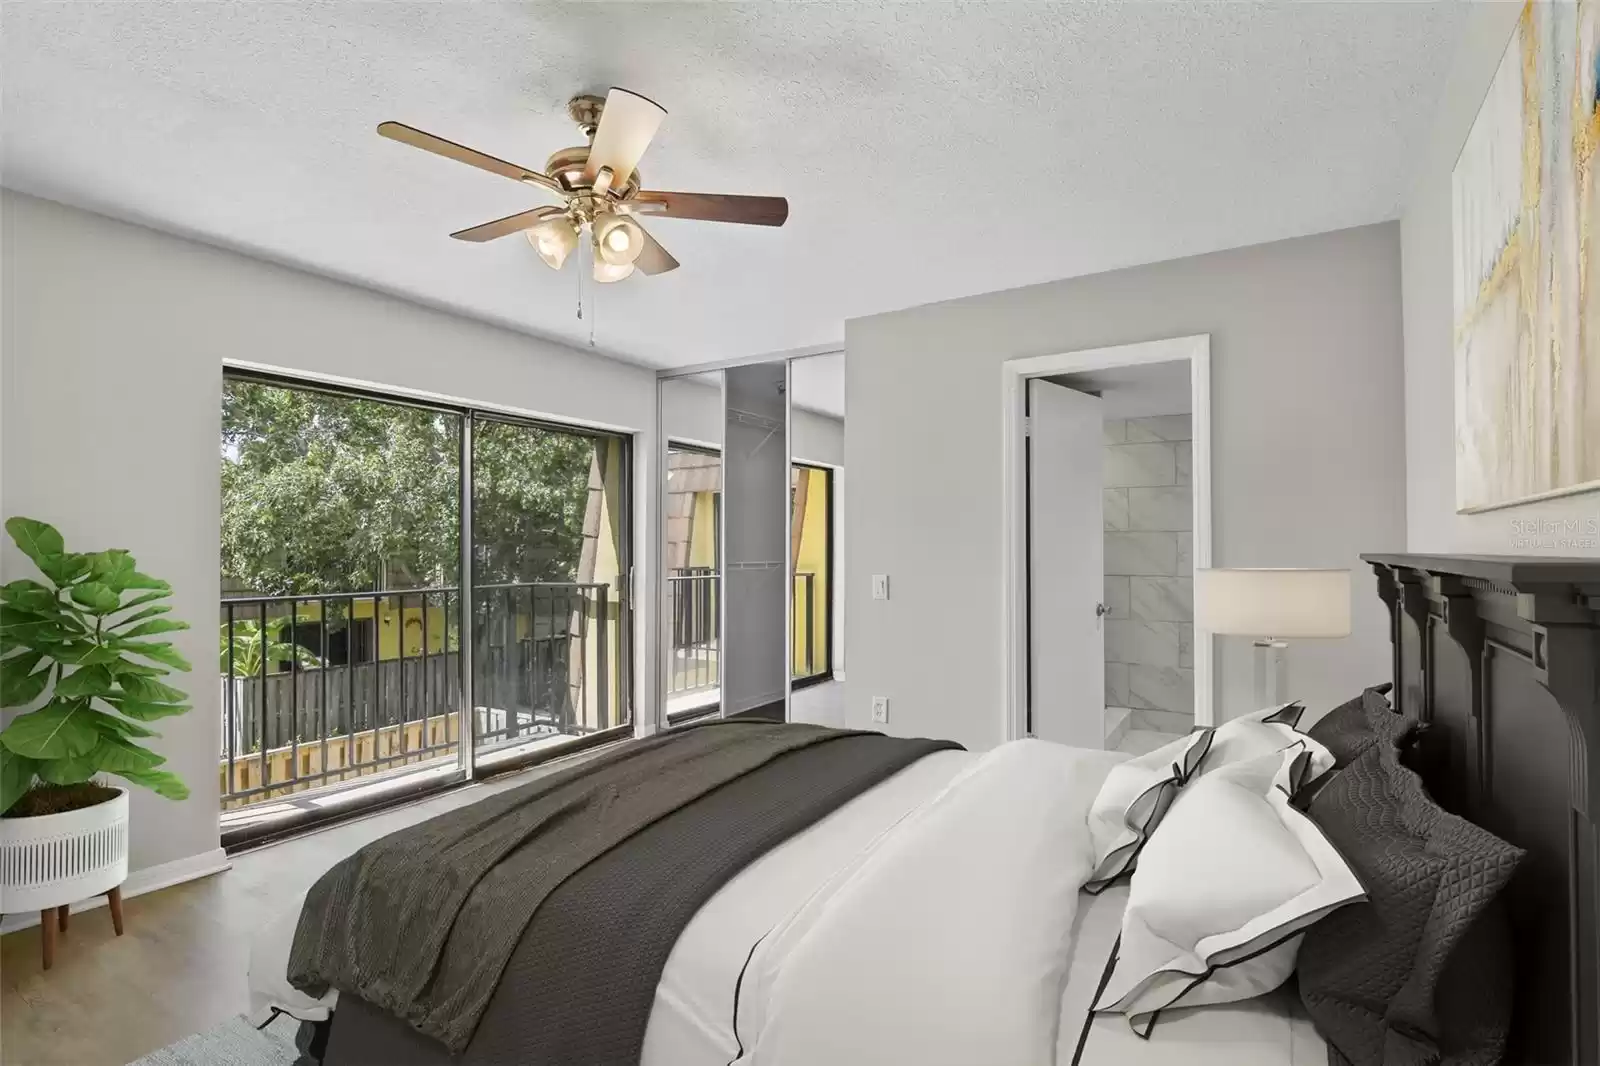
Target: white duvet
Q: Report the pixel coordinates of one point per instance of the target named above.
(947, 942)
(928, 921)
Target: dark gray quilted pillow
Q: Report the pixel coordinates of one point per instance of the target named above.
(1351, 728)
(1421, 972)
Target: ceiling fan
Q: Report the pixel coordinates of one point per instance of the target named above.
(600, 185)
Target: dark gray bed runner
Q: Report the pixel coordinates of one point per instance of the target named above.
(423, 923)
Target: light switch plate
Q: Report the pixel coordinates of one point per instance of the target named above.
(880, 586)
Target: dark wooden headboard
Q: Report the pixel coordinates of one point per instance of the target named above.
(1500, 655)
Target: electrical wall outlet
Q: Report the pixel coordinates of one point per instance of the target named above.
(880, 586)
(880, 709)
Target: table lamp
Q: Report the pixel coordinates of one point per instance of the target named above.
(1271, 605)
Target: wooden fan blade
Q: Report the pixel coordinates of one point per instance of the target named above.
(714, 207)
(654, 259)
(627, 124)
(399, 131)
(505, 227)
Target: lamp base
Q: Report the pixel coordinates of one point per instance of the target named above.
(1271, 679)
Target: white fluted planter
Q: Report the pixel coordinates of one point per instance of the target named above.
(54, 859)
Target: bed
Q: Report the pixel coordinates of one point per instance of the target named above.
(1499, 656)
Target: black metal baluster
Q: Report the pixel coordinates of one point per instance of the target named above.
(265, 655)
(350, 749)
(572, 707)
(232, 703)
(294, 694)
(405, 711)
(603, 661)
(375, 689)
(422, 683)
(445, 647)
(810, 627)
(535, 661)
(322, 686)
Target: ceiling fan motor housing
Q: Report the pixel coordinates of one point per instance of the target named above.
(566, 166)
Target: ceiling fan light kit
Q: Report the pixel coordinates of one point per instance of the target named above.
(601, 188)
(554, 237)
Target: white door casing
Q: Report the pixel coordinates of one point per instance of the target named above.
(1066, 568)
(1014, 376)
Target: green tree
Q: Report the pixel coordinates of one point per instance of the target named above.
(326, 493)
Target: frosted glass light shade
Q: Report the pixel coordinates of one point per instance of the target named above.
(1273, 603)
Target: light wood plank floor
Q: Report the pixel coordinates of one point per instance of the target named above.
(180, 966)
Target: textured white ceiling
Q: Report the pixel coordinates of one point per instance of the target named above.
(928, 150)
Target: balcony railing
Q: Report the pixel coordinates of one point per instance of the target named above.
(805, 623)
(692, 608)
(328, 688)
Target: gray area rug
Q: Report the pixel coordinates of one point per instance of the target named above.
(233, 1043)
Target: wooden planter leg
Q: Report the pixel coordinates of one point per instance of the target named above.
(114, 897)
(47, 933)
(61, 915)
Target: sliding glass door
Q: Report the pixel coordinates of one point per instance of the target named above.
(359, 644)
(549, 564)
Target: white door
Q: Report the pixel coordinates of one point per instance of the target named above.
(1066, 566)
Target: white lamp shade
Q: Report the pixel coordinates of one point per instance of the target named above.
(1273, 603)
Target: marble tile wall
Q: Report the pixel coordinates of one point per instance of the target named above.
(1149, 557)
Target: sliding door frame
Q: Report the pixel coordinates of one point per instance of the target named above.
(469, 415)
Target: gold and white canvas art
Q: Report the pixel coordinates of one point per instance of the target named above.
(1526, 205)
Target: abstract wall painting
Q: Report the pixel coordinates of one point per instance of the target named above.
(1525, 200)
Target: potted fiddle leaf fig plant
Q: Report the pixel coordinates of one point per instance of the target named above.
(76, 649)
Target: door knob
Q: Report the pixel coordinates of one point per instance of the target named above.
(1101, 610)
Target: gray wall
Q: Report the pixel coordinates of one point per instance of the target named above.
(1149, 556)
(113, 345)
(1307, 441)
(1432, 524)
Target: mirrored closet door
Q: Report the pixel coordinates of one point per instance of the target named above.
(724, 636)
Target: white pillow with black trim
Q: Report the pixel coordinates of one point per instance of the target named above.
(1272, 729)
(1132, 801)
(1224, 892)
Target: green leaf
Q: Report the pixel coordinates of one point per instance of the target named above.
(103, 564)
(148, 597)
(97, 597)
(162, 782)
(16, 777)
(17, 667)
(123, 667)
(147, 712)
(37, 635)
(19, 685)
(83, 653)
(30, 596)
(85, 681)
(161, 652)
(38, 540)
(144, 690)
(12, 616)
(116, 755)
(61, 729)
(64, 569)
(111, 725)
(146, 613)
(73, 771)
(132, 579)
(160, 625)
